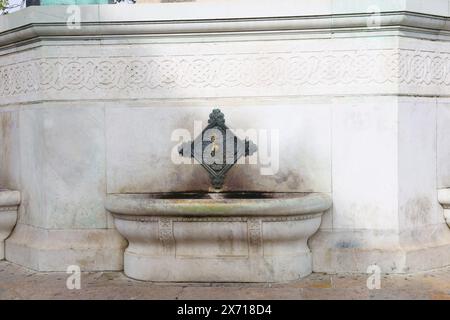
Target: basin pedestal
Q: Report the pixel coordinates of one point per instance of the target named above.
(444, 200)
(9, 201)
(218, 240)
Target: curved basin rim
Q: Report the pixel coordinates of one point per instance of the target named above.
(140, 205)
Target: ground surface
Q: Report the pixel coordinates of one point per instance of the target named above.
(20, 283)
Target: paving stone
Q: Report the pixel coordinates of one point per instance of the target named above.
(19, 283)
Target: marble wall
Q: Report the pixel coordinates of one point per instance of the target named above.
(359, 115)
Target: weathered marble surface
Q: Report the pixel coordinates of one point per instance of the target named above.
(139, 146)
(443, 142)
(56, 249)
(392, 219)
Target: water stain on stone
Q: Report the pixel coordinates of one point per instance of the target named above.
(417, 210)
(239, 178)
(344, 244)
(288, 177)
(6, 128)
(219, 195)
(5, 122)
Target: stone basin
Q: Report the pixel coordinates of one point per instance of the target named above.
(9, 201)
(444, 200)
(218, 237)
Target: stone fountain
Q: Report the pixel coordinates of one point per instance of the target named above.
(218, 236)
(357, 90)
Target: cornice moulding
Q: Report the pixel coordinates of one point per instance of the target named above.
(105, 21)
